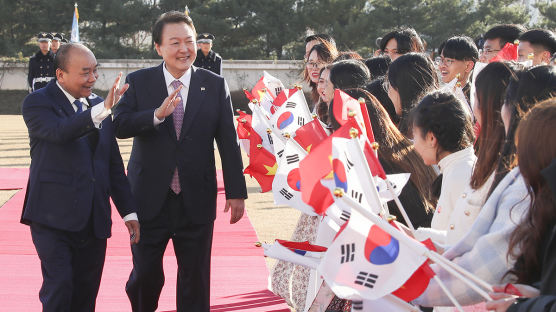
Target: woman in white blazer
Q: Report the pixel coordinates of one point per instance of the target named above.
(443, 135)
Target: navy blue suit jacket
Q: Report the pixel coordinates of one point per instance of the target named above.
(68, 183)
(157, 152)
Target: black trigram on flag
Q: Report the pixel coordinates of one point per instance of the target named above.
(292, 158)
(300, 121)
(277, 90)
(345, 215)
(357, 305)
(357, 196)
(270, 138)
(366, 279)
(349, 164)
(348, 253)
(286, 194)
(280, 153)
(291, 104)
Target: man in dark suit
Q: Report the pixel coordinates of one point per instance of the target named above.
(175, 111)
(76, 167)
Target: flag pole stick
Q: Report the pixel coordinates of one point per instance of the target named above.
(436, 258)
(366, 171)
(400, 206)
(448, 293)
(478, 281)
(418, 248)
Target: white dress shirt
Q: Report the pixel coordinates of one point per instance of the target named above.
(98, 114)
(185, 79)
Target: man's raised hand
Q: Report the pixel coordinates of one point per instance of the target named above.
(167, 107)
(115, 93)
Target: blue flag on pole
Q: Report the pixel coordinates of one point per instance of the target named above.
(75, 26)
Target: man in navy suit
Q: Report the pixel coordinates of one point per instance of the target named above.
(175, 111)
(76, 167)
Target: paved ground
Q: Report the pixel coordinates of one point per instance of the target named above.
(270, 221)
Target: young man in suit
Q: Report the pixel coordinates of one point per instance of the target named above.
(76, 167)
(175, 111)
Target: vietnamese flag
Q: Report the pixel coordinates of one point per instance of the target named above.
(343, 104)
(508, 53)
(317, 165)
(310, 135)
(244, 130)
(373, 162)
(262, 163)
(267, 83)
(243, 125)
(248, 95)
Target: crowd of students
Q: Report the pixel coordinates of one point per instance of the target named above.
(475, 128)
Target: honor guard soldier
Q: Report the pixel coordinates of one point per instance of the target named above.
(41, 65)
(206, 58)
(57, 40)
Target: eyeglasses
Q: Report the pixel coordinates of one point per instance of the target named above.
(444, 61)
(488, 51)
(314, 64)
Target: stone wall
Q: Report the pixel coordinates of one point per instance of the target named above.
(238, 74)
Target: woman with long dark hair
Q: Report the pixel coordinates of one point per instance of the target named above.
(376, 88)
(533, 242)
(443, 136)
(325, 88)
(410, 77)
(320, 55)
(527, 89)
(397, 155)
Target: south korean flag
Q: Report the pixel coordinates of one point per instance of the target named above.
(286, 186)
(292, 115)
(261, 125)
(365, 261)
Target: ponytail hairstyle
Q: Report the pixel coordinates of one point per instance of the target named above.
(443, 115)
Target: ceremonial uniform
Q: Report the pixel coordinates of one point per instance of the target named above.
(212, 61)
(41, 66)
(57, 40)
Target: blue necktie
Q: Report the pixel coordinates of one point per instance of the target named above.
(79, 106)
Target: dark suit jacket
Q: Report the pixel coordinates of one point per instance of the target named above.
(68, 184)
(156, 150)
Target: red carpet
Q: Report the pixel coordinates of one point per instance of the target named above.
(239, 273)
